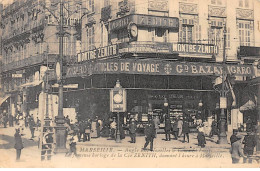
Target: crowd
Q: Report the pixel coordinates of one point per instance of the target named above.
(85, 130)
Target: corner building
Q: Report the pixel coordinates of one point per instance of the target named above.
(168, 55)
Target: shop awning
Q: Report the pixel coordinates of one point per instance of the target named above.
(248, 106)
(32, 84)
(3, 99)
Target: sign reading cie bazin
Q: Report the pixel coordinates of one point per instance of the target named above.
(156, 67)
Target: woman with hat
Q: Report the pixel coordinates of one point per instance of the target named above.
(236, 150)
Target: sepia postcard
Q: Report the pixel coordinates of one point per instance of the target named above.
(130, 83)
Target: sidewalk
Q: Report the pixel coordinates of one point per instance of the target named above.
(31, 154)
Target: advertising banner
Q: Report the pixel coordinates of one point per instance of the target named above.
(156, 67)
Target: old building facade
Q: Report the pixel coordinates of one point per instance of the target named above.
(166, 51)
(30, 47)
(162, 51)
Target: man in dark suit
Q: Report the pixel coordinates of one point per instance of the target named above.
(149, 134)
(167, 129)
(132, 130)
(250, 143)
(18, 144)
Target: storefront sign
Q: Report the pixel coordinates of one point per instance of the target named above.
(17, 75)
(194, 48)
(156, 67)
(145, 48)
(102, 52)
(145, 20)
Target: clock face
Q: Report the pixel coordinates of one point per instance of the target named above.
(118, 98)
(58, 71)
(133, 30)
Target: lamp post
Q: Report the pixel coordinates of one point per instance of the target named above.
(222, 139)
(60, 120)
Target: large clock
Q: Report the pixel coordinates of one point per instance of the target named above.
(133, 30)
(118, 98)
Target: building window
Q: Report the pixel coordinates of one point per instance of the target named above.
(186, 33)
(90, 38)
(228, 38)
(91, 6)
(215, 36)
(244, 29)
(216, 2)
(244, 3)
(106, 3)
(158, 34)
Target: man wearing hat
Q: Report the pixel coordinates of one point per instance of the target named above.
(132, 130)
(72, 139)
(250, 143)
(236, 150)
(18, 144)
(149, 134)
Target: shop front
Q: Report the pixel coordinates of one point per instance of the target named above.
(186, 87)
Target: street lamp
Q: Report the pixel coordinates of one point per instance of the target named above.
(60, 120)
(222, 139)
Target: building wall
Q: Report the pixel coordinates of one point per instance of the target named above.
(204, 14)
(29, 32)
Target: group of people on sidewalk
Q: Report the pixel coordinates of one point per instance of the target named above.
(237, 150)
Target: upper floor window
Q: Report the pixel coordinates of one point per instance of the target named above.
(106, 3)
(244, 29)
(90, 38)
(244, 3)
(186, 33)
(158, 34)
(216, 2)
(91, 6)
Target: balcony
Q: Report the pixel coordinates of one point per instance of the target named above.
(33, 60)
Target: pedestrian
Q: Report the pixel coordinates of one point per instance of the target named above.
(179, 126)
(18, 144)
(88, 130)
(167, 129)
(82, 128)
(214, 128)
(38, 123)
(113, 126)
(175, 129)
(26, 121)
(249, 145)
(132, 130)
(32, 126)
(11, 120)
(201, 136)
(47, 144)
(5, 120)
(233, 137)
(185, 131)
(249, 124)
(94, 127)
(72, 139)
(97, 126)
(149, 134)
(156, 121)
(76, 129)
(236, 150)
(21, 123)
